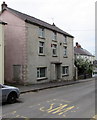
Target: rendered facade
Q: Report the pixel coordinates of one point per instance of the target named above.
(2, 51)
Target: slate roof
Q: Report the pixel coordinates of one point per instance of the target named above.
(81, 51)
(33, 20)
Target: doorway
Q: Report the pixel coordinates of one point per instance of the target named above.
(58, 71)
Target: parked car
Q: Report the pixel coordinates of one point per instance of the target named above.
(9, 94)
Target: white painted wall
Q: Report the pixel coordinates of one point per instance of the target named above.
(1, 54)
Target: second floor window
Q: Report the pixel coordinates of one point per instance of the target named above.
(41, 33)
(54, 50)
(65, 39)
(41, 47)
(54, 37)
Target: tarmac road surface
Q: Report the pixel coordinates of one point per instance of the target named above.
(72, 101)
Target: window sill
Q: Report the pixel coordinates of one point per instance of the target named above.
(41, 37)
(54, 40)
(64, 43)
(65, 56)
(43, 78)
(65, 75)
(54, 56)
(41, 54)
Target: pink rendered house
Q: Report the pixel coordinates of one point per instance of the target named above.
(14, 45)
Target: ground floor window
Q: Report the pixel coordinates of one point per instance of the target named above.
(65, 70)
(41, 72)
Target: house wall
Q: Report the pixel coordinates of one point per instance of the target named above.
(1, 53)
(14, 44)
(21, 52)
(34, 60)
(85, 57)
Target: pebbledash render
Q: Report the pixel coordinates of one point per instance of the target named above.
(35, 51)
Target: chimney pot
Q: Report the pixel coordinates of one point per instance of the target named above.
(3, 6)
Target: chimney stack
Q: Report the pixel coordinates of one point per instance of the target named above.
(3, 6)
(78, 45)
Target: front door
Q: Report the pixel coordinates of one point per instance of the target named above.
(58, 71)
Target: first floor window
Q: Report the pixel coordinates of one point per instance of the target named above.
(41, 72)
(41, 47)
(65, 70)
(65, 51)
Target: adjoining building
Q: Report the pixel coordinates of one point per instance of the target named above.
(2, 51)
(35, 51)
(84, 61)
(82, 53)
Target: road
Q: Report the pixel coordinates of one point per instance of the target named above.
(72, 101)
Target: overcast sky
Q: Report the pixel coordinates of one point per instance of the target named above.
(77, 17)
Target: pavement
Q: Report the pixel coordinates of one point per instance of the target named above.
(42, 86)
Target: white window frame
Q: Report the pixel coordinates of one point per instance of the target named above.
(41, 32)
(39, 74)
(54, 49)
(41, 46)
(66, 71)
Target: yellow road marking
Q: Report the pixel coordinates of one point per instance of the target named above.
(42, 108)
(58, 108)
(67, 109)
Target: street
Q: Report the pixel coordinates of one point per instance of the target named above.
(72, 101)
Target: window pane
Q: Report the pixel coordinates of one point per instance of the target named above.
(41, 32)
(40, 50)
(54, 35)
(65, 39)
(54, 49)
(42, 72)
(41, 47)
(65, 70)
(38, 72)
(65, 51)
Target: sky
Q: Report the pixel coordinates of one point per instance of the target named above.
(76, 17)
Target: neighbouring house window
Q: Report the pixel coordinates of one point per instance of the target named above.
(41, 33)
(41, 72)
(54, 50)
(41, 47)
(54, 36)
(65, 39)
(65, 51)
(65, 70)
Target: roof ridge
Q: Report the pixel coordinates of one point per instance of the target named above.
(30, 19)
